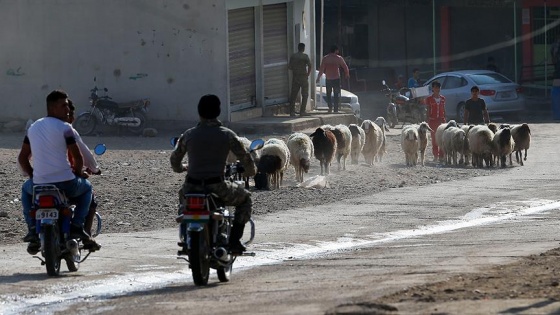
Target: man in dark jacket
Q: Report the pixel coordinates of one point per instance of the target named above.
(207, 146)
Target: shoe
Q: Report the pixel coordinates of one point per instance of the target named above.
(235, 247)
(31, 236)
(330, 111)
(33, 247)
(91, 245)
(77, 231)
(292, 115)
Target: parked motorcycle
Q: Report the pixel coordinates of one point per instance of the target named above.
(107, 112)
(403, 106)
(53, 214)
(205, 227)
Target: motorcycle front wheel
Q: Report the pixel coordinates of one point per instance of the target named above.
(138, 129)
(199, 257)
(85, 124)
(224, 273)
(51, 252)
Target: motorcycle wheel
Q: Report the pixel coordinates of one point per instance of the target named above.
(137, 130)
(85, 124)
(460, 112)
(199, 257)
(72, 265)
(51, 252)
(224, 273)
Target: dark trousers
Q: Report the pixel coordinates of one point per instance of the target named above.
(333, 87)
(299, 82)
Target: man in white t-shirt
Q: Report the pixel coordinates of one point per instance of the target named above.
(50, 139)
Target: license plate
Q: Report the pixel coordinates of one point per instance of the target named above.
(506, 95)
(46, 214)
(191, 216)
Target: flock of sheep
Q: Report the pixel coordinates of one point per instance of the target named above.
(484, 144)
(481, 144)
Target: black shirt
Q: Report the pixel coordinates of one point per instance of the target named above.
(475, 109)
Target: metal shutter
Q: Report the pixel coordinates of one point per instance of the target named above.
(275, 41)
(241, 41)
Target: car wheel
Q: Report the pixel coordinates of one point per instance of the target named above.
(460, 112)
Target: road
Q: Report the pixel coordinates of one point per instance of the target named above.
(311, 260)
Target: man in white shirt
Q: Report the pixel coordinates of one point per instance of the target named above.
(50, 139)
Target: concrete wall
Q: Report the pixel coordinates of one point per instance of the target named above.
(169, 51)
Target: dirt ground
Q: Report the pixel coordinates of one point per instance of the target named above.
(138, 190)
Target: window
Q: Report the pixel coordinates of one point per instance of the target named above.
(453, 82)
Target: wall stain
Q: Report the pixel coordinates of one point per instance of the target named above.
(186, 6)
(170, 80)
(15, 73)
(44, 87)
(142, 42)
(117, 73)
(138, 76)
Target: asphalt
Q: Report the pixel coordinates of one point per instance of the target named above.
(373, 103)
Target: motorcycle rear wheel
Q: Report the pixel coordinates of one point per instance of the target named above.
(85, 124)
(199, 257)
(51, 252)
(138, 129)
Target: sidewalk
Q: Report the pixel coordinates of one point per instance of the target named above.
(284, 124)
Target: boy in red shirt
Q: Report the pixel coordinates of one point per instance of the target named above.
(435, 104)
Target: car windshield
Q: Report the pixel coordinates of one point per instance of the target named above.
(489, 78)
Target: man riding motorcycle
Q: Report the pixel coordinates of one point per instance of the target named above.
(207, 146)
(50, 139)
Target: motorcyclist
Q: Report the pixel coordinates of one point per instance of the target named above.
(50, 139)
(207, 146)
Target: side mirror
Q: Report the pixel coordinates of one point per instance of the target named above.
(174, 141)
(256, 145)
(100, 149)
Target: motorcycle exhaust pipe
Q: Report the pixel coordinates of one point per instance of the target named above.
(72, 246)
(221, 255)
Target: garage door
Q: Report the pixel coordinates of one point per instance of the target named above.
(241, 42)
(275, 42)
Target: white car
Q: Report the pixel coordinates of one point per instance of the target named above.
(348, 101)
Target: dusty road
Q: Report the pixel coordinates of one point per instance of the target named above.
(314, 260)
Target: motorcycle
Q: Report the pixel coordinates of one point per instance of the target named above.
(107, 112)
(53, 214)
(404, 106)
(205, 227)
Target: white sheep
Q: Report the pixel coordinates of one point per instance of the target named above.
(301, 151)
(423, 129)
(374, 140)
(358, 140)
(503, 145)
(382, 123)
(274, 160)
(453, 144)
(410, 144)
(439, 133)
(324, 143)
(522, 137)
(343, 144)
(481, 145)
(467, 149)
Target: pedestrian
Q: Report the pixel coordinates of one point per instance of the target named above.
(491, 65)
(49, 140)
(330, 66)
(413, 81)
(476, 112)
(207, 146)
(435, 104)
(300, 64)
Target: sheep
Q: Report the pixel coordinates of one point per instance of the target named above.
(422, 129)
(466, 149)
(522, 137)
(344, 144)
(274, 160)
(481, 145)
(324, 143)
(301, 150)
(358, 140)
(453, 143)
(503, 145)
(493, 127)
(231, 158)
(374, 140)
(410, 144)
(382, 123)
(439, 133)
